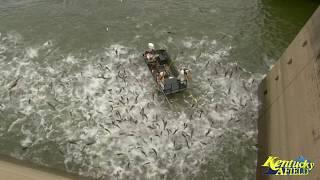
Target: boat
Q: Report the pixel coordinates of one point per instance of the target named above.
(168, 78)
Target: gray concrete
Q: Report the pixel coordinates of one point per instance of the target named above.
(289, 123)
(13, 169)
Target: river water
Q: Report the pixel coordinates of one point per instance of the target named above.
(63, 104)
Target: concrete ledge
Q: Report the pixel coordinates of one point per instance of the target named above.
(13, 169)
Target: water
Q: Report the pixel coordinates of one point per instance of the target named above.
(63, 105)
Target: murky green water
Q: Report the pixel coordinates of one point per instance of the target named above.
(56, 110)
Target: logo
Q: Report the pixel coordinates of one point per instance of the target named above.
(279, 167)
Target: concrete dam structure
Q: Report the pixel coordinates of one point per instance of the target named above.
(13, 169)
(289, 120)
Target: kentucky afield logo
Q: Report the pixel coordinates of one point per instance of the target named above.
(276, 166)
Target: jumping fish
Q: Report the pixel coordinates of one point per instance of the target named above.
(51, 85)
(191, 116)
(107, 130)
(116, 125)
(216, 71)
(207, 133)
(122, 102)
(107, 68)
(206, 66)
(231, 73)
(169, 131)
(245, 86)
(186, 139)
(14, 84)
(164, 124)
(174, 156)
(187, 144)
(203, 143)
(201, 111)
(52, 106)
(191, 133)
(229, 90)
(144, 153)
(185, 125)
(226, 73)
(151, 127)
(90, 143)
(143, 113)
(155, 152)
(170, 32)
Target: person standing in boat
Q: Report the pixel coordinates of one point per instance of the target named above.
(150, 54)
(160, 78)
(184, 75)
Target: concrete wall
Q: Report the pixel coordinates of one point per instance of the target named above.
(289, 121)
(13, 169)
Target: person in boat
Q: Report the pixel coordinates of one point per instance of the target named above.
(184, 75)
(161, 75)
(150, 53)
(160, 78)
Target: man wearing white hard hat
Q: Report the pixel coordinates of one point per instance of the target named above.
(150, 53)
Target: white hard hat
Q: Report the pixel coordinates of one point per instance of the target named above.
(151, 45)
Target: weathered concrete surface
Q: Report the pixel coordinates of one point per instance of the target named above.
(12, 169)
(289, 123)
(16, 172)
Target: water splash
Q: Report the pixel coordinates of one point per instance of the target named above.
(103, 118)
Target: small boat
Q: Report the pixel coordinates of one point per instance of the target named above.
(166, 75)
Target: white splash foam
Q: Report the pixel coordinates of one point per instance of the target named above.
(70, 59)
(32, 52)
(187, 43)
(26, 142)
